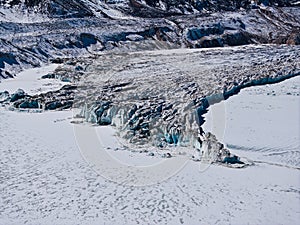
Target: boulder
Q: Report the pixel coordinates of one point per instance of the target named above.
(232, 160)
(235, 39)
(294, 38)
(49, 76)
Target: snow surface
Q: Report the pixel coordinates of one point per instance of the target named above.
(21, 16)
(45, 180)
(30, 81)
(262, 122)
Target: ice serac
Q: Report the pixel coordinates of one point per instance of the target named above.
(159, 98)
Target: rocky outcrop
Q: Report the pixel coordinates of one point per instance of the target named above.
(58, 30)
(294, 37)
(156, 8)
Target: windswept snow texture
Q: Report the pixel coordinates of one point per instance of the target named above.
(262, 122)
(44, 180)
(109, 53)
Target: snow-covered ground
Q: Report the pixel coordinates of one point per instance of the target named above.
(30, 81)
(261, 122)
(21, 16)
(45, 179)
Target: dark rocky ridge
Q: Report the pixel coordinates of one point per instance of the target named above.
(67, 29)
(176, 7)
(152, 8)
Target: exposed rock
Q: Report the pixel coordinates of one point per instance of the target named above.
(167, 155)
(49, 76)
(173, 24)
(198, 33)
(294, 38)
(232, 160)
(235, 39)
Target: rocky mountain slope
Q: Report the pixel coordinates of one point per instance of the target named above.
(35, 32)
(152, 8)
